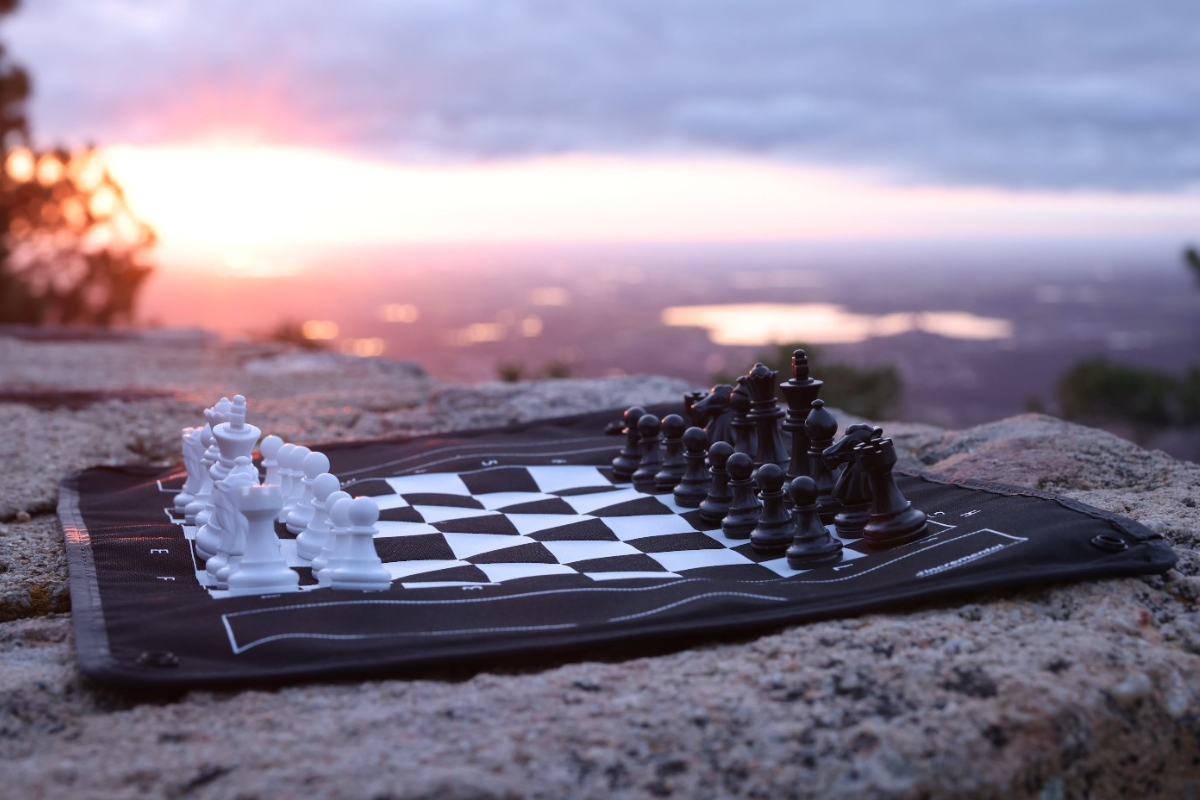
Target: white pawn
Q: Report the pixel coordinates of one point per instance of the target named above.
(295, 489)
(358, 566)
(194, 466)
(284, 472)
(337, 528)
(263, 569)
(312, 539)
(313, 465)
(228, 521)
(270, 462)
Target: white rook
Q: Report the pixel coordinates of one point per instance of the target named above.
(262, 569)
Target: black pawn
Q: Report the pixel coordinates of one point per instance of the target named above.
(693, 487)
(715, 506)
(893, 520)
(820, 426)
(812, 545)
(673, 464)
(744, 440)
(651, 461)
(743, 505)
(775, 529)
(631, 454)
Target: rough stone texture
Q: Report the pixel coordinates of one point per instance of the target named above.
(1085, 690)
(33, 568)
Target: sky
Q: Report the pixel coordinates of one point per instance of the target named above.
(566, 120)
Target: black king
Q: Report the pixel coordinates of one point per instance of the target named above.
(799, 392)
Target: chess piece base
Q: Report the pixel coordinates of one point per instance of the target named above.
(893, 530)
(818, 554)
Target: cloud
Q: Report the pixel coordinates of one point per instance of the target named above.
(1052, 94)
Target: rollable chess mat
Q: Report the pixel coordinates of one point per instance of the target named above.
(516, 542)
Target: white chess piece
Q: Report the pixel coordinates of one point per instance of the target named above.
(284, 471)
(295, 489)
(337, 527)
(234, 438)
(191, 461)
(263, 569)
(270, 462)
(310, 542)
(228, 522)
(216, 415)
(197, 505)
(314, 464)
(358, 566)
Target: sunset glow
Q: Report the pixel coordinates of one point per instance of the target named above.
(242, 197)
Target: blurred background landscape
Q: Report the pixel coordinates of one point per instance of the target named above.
(964, 210)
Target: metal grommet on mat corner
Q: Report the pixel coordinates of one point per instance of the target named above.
(1110, 543)
(163, 659)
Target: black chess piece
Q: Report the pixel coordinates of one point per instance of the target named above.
(799, 392)
(812, 545)
(674, 463)
(715, 506)
(744, 508)
(694, 485)
(821, 427)
(775, 529)
(651, 460)
(744, 440)
(715, 414)
(893, 520)
(631, 454)
(689, 408)
(766, 414)
(853, 487)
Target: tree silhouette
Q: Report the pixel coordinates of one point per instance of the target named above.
(71, 251)
(1096, 390)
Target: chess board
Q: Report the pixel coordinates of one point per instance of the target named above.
(502, 524)
(517, 541)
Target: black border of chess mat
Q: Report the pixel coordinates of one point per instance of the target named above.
(135, 631)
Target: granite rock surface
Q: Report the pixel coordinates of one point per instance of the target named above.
(1080, 690)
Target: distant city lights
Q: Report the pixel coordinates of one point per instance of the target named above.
(319, 330)
(531, 326)
(550, 296)
(400, 312)
(363, 348)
